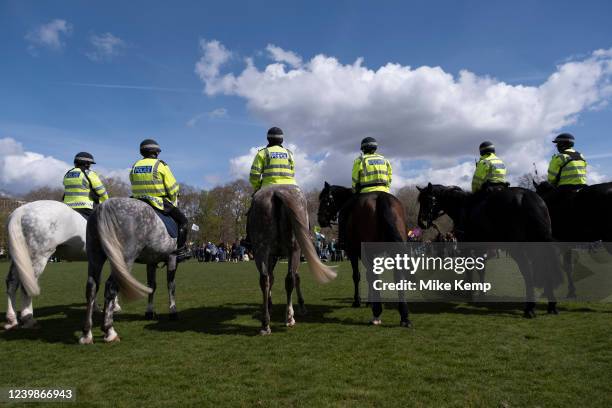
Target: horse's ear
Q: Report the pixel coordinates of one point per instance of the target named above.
(429, 186)
(419, 188)
(326, 185)
(535, 185)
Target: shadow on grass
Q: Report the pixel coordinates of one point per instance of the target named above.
(219, 320)
(62, 323)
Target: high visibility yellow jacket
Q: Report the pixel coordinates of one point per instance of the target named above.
(153, 181)
(371, 172)
(567, 168)
(272, 165)
(489, 168)
(83, 188)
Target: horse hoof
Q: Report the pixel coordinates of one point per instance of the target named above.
(149, 315)
(111, 336)
(86, 339)
(375, 322)
(356, 304)
(265, 331)
(529, 314)
(406, 323)
(28, 322)
(290, 322)
(553, 311)
(173, 316)
(11, 324)
(117, 308)
(571, 294)
(302, 311)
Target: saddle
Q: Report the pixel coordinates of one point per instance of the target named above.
(171, 225)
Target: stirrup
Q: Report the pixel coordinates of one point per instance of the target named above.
(181, 255)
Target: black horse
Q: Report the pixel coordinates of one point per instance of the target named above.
(506, 215)
(578, 216)
(373, 217)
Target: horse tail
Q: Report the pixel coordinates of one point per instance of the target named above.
(299, 223)
(20, 254)
(108, 224)
(389, 218)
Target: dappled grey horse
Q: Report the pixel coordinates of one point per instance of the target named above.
(36, 231)
(278, 226)
(125, 231)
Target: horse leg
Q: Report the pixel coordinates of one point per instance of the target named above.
(568, 265)
(152, 283)
(402, 305)
(264, 284)
(11, 291)
(356, 279)
(27, 310)
(171, 274)
(294, 260)
(110, 291)
(94, 271)
(527, 271)
(302, 311)
(373, 295)
(272, 263)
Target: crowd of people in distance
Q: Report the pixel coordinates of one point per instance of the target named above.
(223, 252)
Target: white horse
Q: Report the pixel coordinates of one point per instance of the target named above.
(36, 231)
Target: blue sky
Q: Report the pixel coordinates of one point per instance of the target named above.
(59, 99)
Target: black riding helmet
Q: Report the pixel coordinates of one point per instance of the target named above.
(369, 144)
(149, 146)
(275, 136)
(486, 147)
(566, 139)
(82, 158)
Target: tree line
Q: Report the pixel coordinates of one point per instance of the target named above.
(220, 212)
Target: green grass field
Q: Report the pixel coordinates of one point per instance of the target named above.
(456, 354)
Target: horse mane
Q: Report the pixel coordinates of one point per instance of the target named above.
(341, 193)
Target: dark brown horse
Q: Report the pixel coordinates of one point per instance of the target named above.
(372, 217)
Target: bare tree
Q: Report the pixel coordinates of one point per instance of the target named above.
(44, 193)
(116, 187)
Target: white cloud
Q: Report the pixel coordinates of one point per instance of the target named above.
(213, 114)
(49, 35)
(22, 170)
(415, 113)
(105, 47)
(214, 54)
(280, 55)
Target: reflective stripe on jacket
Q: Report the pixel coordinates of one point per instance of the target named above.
(567, 168)
(489, 168)
(371, 172)
(272, 165)
(153, 181)
(83, 188)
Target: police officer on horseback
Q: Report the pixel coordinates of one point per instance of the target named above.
(82, 186)
(153, 182)
(490, 173)
(372, 172)
(272, 165)
(568, 168)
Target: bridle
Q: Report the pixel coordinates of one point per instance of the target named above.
(326, 203)
(431, 214)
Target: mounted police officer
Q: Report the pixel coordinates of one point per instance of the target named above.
(272, 165)
(568, 168)
(372, 172)
(82, 186)
(490, 173)
(153, 182)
